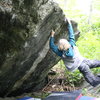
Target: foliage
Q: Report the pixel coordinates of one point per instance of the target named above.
(72, 78)
(89, 45)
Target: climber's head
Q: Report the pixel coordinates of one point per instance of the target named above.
(63, 44)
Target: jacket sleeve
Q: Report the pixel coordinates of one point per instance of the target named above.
(54, 47)
(71, 35)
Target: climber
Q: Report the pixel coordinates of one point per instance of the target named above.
(73, 60)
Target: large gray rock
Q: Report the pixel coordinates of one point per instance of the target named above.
(25, 57)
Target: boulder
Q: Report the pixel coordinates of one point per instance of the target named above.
(25, 56)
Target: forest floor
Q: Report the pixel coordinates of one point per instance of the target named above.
(57, 83)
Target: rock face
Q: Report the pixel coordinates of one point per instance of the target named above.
(25, 57)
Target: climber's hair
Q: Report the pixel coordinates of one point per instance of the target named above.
(63, 44)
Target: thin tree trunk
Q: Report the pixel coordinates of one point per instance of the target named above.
(65, 4)
(90, 12)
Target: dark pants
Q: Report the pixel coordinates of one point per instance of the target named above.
(85, 67)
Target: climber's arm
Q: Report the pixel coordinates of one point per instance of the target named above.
(71, 34)
(53, 46)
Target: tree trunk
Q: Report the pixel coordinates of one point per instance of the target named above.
(90, 12)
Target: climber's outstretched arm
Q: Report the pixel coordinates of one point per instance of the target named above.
(52, 44)
(71, 34)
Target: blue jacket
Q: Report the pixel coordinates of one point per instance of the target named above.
(71, 40)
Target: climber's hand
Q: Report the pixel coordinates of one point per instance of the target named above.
(52, 33)
(69, 21)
